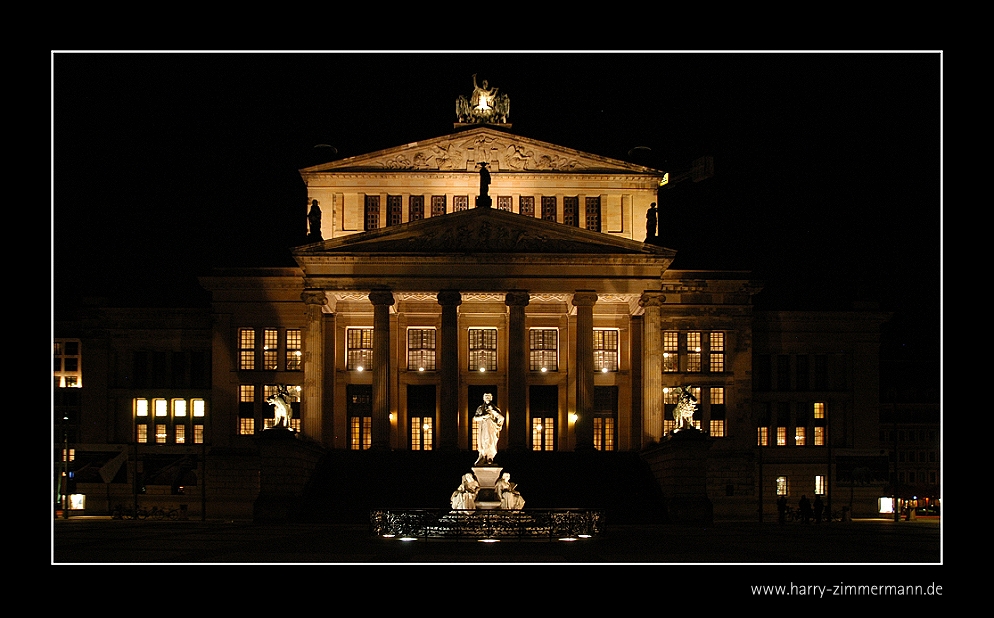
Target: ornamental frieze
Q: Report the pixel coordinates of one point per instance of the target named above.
(504, 153)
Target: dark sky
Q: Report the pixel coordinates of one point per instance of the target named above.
(827, 165)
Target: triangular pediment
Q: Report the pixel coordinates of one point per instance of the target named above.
(482, 231)
(460, 151)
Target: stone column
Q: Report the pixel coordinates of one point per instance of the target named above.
(382, 301)
(315, 302)
(516, 423)
(448, 354)
(584, 301)
(652, 366)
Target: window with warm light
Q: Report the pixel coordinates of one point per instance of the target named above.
(782, 488)
(819, 436)
(246, 409)
(717, 412)
(359, 349)
(67, 363)
(820, 421)
(421, 349)
(800, 436)
(716, 353)
(483, 349)
(294, 355)
(761, 436)
(460, 202)
(543, 434)
(606, 351)
(270, 349)
(820, 487)
(671, 351)
(422, 431)
(781, 436)
(694, 352)
(504, 202)
(543, 349)
(371, 212)
(359, 408)
(604, 433)
(246, 349)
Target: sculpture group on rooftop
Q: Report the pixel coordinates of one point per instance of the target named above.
(483, 106)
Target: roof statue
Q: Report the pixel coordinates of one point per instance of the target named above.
(484, 106)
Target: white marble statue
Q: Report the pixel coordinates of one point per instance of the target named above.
(490, 422)
(280, 400)
(510, 497)
(464, 497)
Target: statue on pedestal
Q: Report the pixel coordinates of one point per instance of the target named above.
(683, 414)
(314, 222)
(490, 421)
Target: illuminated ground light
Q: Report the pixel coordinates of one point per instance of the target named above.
(408, 538)
(489, 540)
(568, 538)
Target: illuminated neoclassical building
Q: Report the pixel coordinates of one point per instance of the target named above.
(426, 283)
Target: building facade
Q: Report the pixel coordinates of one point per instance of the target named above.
(430, 279)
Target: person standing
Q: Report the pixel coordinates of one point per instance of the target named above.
(805, 506)
(782, 509)
(819, 507)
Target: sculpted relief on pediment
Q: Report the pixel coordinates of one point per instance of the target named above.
(503, 153)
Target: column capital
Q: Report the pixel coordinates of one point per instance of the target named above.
(651, 298)
(517, 298)
(584, 298)
(449, 297)
(381, 297)
(314, 297)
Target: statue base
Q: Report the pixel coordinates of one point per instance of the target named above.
(486, 476)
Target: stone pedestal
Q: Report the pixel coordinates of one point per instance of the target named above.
(487, 476)
(285, 466)
(679, 464)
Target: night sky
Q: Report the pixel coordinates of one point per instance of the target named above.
(827, 185)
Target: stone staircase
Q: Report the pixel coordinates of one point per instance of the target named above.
(347, 485)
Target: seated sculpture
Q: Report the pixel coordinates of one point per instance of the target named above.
(510, 497)
(464, 497)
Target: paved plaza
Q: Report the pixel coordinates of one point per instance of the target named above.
(83, 540)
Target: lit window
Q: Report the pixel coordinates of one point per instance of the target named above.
(359, 354)
(483, 349)
(820, 485)
(820, 423)
(800, 435)
(421, 433)
(180, 434)
(606, 351)
(819, 410)
(717, 428)
(270, 349)
(671, 351)
(693, 352)
(160, 433)
(293, 353)
(761, 436)
(421, 349)
(246, 348)
(198, 434)
(159, 406)
(782, 488)
(819, 436)
(781, 436)
(717, 353)
(460, 202)
(143, 434)
(543, 434)
(246, 426)
(604, 433)
(504, 203)
(179, 407)
(141, 407)
(360, 432)
(717, 412)
(198, 408)
(543, 349)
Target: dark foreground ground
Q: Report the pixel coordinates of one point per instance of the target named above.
(82, 540)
